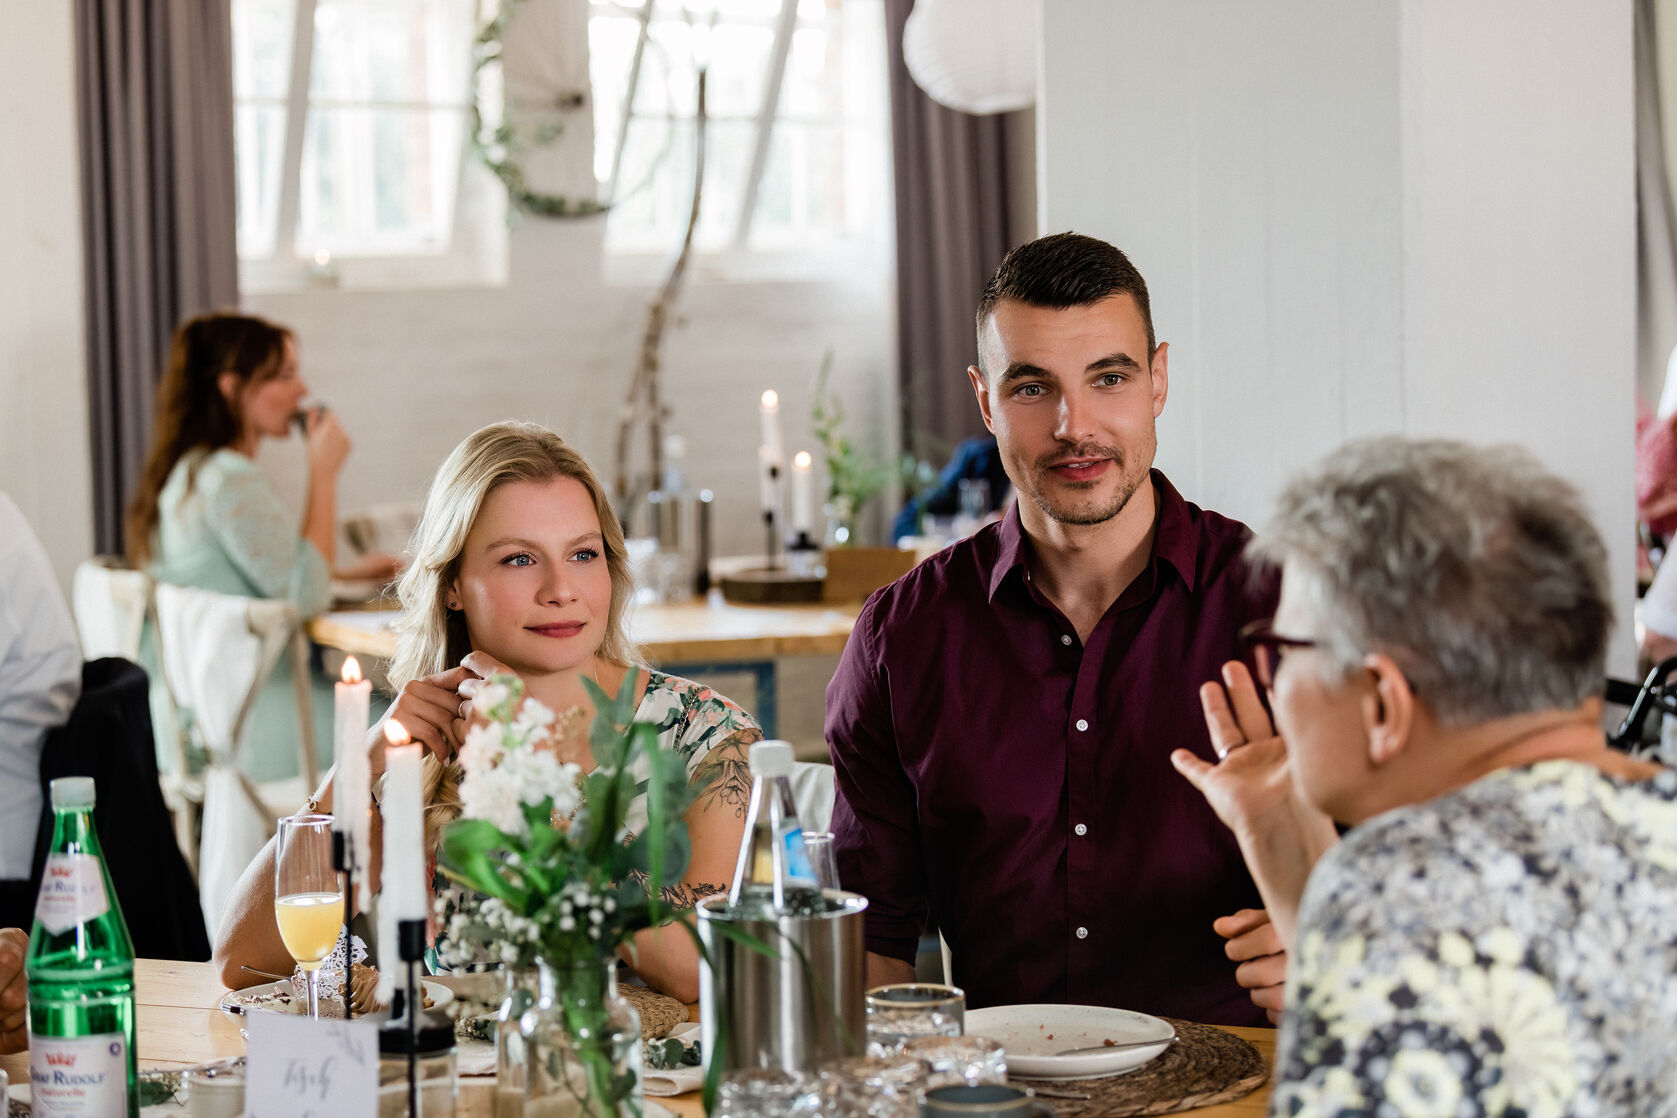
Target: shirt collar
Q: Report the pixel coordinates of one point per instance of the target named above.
(1174, 539)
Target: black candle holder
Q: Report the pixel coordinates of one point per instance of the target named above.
(343, 860)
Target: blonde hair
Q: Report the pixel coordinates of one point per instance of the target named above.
(431, 638)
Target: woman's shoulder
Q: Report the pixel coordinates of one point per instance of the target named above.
(692, 717)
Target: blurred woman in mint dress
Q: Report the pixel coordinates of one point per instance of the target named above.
(205, 515)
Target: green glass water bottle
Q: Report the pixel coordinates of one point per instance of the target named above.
(81, 974)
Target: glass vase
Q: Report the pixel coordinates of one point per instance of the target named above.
(582, 1045)
(522, 986)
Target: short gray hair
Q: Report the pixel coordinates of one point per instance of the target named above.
(1474, 568)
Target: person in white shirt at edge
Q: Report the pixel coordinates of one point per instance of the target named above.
(40, 679)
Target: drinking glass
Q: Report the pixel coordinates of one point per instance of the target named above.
(901, 1012)
(766, 1093)
(819, 844)
(953, 1060)
(872, 1087)
(308, 898)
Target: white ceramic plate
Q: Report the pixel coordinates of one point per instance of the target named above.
(1032, 1034)
(276, 997)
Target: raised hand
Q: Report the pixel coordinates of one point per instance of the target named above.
(1251, 790)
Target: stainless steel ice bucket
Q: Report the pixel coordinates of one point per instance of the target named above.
(791, 1010)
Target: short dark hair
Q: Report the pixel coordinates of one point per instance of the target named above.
(1065, 270)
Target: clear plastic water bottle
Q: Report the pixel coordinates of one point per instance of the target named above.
(81, 974)
(773, 876)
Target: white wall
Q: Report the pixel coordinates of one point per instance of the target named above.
(1413, 215)
(44, 460)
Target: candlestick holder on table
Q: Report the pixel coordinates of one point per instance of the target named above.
(343, 860)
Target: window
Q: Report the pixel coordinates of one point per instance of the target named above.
(797, 141)
(350, 124)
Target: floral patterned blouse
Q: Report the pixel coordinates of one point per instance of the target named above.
(692, 720)
(1508, 948)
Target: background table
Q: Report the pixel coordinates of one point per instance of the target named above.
(180, 1025)
(697, 639)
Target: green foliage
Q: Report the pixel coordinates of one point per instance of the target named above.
(585, 882)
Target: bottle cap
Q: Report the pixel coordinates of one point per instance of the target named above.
(71, 792)
(771, 758)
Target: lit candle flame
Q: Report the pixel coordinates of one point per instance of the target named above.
(352, 667)
(395, 733)
(801, 460)
(771, 399)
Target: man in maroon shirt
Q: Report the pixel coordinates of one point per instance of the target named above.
(1002, 721)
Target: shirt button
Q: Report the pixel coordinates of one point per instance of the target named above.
(1081, 830)
(1065, 638)
(1083, 933)
(1082, 723)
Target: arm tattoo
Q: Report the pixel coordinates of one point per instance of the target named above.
(681, 894)
(724, 777)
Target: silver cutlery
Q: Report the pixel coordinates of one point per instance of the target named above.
(1095, 1049)
(266, 974)
(1050, 1093)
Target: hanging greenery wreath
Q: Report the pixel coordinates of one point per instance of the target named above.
(501, 147)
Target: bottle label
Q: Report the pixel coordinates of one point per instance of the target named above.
(72, 892)
(84, 1076)
(798, 869)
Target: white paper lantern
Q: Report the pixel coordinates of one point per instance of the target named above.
(978, 56)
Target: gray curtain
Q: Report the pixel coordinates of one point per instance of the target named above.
(952, 230)
(155, 79)
(1656, 232)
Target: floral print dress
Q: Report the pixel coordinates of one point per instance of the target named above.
(1508, 948)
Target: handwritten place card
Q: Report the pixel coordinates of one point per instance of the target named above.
(298, 1068)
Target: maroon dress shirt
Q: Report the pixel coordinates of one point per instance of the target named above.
(1018, 783)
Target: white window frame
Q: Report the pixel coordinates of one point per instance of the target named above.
(737, 261)
(476, 255)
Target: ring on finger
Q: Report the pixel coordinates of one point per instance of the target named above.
(465, 708)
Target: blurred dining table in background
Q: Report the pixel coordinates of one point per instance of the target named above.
(698, 638)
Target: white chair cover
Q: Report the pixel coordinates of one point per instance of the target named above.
(217, 651)
(812, 792)
(110, 604)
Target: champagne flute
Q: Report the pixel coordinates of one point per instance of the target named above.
(308, 897)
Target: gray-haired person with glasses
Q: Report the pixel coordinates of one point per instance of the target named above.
(1493, 934)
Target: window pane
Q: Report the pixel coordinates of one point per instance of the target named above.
(812, 71)
(748, 9)
(378, 180)
(666, 84)
(653, 213)
(259, 136)
(262, 48)
(739, 66)
(801, 199)
(392, 51)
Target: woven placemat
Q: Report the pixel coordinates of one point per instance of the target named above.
(1206, 1065)
(659, 1012)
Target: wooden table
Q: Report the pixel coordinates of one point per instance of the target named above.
(697, 638)
(180, 1025)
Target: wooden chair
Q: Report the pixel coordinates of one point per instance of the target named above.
(217, 651)
(111, 603)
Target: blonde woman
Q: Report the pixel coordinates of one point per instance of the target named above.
(518, 566)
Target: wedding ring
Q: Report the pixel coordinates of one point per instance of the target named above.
(465, 708)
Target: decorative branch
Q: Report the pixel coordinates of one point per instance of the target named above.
(644, 401)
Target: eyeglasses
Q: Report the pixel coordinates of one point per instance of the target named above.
(1265, 648)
